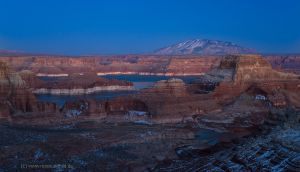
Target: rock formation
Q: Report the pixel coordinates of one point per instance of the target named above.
(16, 95)
(172, 87)
(254, 71)
(235, 76)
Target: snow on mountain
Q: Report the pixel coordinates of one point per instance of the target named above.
(204, 47)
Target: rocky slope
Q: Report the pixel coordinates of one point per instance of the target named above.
(204, 47)
(275, 147)
(264, 153)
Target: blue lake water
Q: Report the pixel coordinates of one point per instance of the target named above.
(146, 81)
(139, 82)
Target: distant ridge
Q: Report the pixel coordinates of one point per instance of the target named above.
(13, 53)
(204, 47)
(16, 53)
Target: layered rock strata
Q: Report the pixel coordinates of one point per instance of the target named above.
(59, 66)
(234, 76)
(55, 66)
(174, 101)
(254, 71)
(287, 63)
(81, 84)
(16, 97)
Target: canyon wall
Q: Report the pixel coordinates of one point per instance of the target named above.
(43, 65)
(127, 64)
(168, 101)
(287, 63)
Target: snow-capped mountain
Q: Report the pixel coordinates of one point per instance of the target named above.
(204, 47)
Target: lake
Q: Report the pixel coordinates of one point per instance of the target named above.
(139, 82)
(146, 81)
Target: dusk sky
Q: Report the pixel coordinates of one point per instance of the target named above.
(83, 27)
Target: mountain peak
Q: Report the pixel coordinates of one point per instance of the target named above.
(204, 47)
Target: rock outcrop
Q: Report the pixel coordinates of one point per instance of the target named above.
(172, 87)
(16, 97)
(254, 71)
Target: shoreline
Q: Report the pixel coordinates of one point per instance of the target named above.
(124, 73)
(82, 91)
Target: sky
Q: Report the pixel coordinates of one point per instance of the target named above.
(89, 27)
